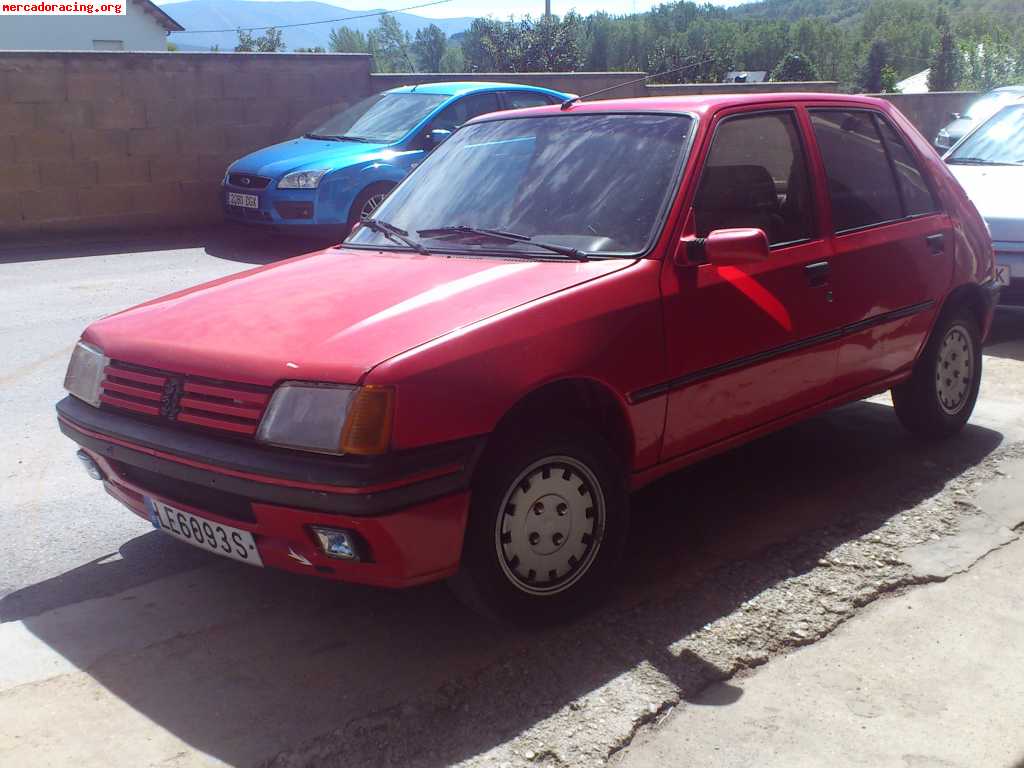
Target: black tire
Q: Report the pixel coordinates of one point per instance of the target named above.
(491, 579)
(938, 398)
(379, 190)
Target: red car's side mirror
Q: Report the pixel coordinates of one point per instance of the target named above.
(724, 247)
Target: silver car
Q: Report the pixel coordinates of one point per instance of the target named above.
(989, 164)
(980, 110)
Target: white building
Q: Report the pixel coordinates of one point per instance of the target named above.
(143, 27)
(915, 83)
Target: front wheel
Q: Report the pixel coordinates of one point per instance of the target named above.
(367, 202)
(939, 397)
(547, 526)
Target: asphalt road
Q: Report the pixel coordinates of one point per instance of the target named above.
(202, 660)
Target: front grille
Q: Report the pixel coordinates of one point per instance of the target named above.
(248, 181)
(217, 405)
(190, 494)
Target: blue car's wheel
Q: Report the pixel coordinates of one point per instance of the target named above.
(366, 202)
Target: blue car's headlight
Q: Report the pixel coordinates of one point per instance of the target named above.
(302, 180)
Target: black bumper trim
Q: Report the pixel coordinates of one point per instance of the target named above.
(992, 291)
(345, 472)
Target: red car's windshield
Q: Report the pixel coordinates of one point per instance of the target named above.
(599, 183)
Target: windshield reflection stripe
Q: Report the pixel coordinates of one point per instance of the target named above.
(500, 141)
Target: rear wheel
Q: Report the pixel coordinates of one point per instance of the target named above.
(367, 202)
(547, 525)
(939, 397)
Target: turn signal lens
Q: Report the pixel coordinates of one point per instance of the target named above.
(368, 426)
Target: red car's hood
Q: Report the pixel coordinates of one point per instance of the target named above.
(327, 316)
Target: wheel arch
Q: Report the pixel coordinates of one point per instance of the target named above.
(579, 399)
(972, 296)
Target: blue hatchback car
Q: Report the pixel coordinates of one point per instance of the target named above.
(331, 177)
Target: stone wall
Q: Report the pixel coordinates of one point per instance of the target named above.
(134, 141)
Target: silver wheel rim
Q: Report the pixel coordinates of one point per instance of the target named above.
(550, 526)
(372, 204)
(954, 372)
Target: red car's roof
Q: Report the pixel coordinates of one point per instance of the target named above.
(700, 104)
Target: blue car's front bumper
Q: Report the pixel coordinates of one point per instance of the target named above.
(292, 209)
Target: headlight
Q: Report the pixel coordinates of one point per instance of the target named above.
(301, 180)
(328, 418)
(84, 378)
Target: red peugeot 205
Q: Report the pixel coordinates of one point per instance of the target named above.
(560, 306)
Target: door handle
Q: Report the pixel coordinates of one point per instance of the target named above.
(936, 242)
(818, 273)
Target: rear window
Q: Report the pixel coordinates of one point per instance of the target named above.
(860, 180)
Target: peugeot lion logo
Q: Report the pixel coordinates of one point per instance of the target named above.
(170, 399)
(245, 181)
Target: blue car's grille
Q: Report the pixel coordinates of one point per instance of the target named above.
(248, 181)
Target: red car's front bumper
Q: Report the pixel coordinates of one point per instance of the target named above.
(408, 516)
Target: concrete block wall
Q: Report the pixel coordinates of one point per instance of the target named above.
(930, 111)
(98, 141)
(133, 141)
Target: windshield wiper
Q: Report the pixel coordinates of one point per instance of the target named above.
(360, 139)
(973, 161)
(394, 234)
(321, 137)
(497, 234)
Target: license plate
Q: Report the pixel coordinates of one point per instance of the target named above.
(223, 540)
(1003, 274)
(243, 201)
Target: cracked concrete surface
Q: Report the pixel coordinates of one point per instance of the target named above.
(125, 648)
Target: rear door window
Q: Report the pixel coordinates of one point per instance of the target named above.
(756, 176)
(917, 197)
(524, 99)
(465, 109)
(861, 183)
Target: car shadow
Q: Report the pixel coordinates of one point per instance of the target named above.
(241, 663)
(1006, 339)
(228, 241)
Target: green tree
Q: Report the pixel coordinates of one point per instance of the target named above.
(877, 60)
(390, 46)
(453, 60)
(347, 40)
(430, 46)
(889, 79)
(268, 42)
(795, 67)
(947, 64)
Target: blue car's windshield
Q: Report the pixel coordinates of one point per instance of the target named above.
(598, 183)
(382, 118)
(1000, 141)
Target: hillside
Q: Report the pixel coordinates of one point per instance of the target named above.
(235, 14)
